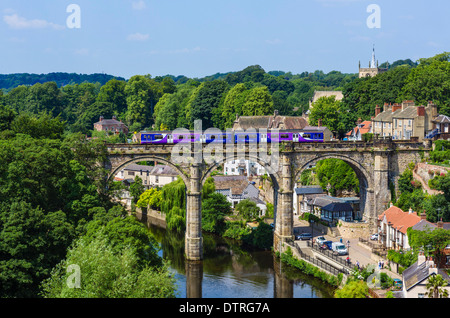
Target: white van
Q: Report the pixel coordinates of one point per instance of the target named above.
(339, 248)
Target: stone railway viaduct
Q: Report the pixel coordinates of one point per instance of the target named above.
(376, 164)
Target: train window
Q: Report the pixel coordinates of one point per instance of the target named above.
(307, 136)
(284, 136)
(158, 137)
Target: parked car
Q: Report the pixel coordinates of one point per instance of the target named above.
(374, 237)
(320, 240)
(326, 245)
(304, 236)
(398, 284)
(339, 248)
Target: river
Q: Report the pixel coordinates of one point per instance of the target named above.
(229, 270)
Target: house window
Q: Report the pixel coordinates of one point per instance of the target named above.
(409, 123)
(157, 179)
(131, 173)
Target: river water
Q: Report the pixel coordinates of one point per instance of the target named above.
(230, 270)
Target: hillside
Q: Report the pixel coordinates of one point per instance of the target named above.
(10, 81)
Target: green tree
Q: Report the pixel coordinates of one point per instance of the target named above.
(327, 110)
(142, 95)
(247, 209)
(107, 273)
(430, 81)
(207, 103)
(434, 242)
(32, 241)
(233, 104)
(436, 287)
(150, 198)
(354, 289)
(136, 189)
(214, 210)
(258, 102)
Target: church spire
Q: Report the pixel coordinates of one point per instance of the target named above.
(373, 64)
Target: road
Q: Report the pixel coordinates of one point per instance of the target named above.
(356, 251)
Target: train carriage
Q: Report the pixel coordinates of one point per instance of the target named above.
(296, 136)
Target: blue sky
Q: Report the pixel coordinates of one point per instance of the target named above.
(197, 38)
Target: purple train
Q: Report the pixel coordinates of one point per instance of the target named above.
(167, 137)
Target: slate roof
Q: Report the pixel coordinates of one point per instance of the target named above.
(386, 116)
(338, 207)
(236, 187)
(158, 170)
(325, 200)
(408, 113)
(442, 119)
(423, 225)
(270, 122)
(416, 274)
(309, 190)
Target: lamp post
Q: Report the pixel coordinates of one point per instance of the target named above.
(312, 232)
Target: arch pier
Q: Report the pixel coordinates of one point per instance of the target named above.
(376, 164)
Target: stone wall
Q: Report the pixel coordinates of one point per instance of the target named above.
(353, 229)
(151, 217)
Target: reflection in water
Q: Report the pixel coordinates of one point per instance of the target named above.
(231, 271)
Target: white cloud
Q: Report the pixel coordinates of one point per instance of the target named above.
(138, 37)
(274, 41)
(14, 21)
(82, 52)
(138, 5)
(186, 50)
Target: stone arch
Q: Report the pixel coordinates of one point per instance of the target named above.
(125, 163)
(211, 167)
(365, 179)
(359, 169)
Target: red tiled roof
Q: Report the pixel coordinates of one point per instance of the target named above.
(399, 219)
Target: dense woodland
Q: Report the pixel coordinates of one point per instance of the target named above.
(54, 209)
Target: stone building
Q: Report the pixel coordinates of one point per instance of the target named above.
(405, 120)
(152, 176)
(319, 94)
(393, 225)
(373, 69)
(111, 125)
(235, 188)
(362, 127)
(441, 128)
(274, 121)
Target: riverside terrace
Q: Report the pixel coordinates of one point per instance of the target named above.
(375, 163)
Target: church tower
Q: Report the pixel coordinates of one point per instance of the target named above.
(373, 69)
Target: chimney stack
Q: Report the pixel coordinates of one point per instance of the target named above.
(421, 259)
(396, 107)
(423, 215)
(421, 111)
(319, 122)
(101, 118)
(377, 110)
